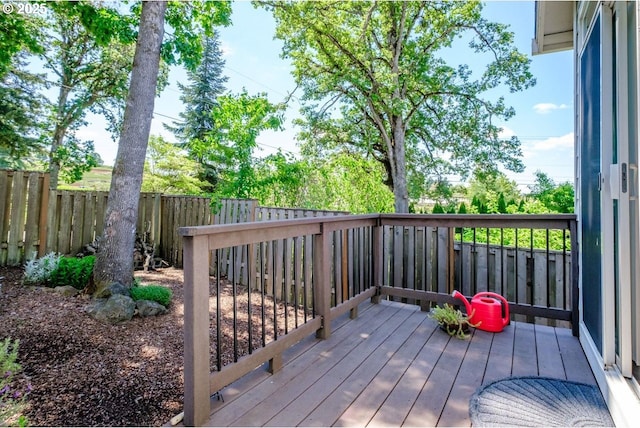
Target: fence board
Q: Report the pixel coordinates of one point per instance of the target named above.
(32, 232)
(76, 222)
(5, 204)
(16, 228)
(88, 219)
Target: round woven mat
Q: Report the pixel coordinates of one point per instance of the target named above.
(538, 401)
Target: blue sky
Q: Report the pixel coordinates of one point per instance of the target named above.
(544, 113)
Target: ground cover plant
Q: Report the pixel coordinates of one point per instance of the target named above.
(54, 270)
(12, 394)
(155, 293)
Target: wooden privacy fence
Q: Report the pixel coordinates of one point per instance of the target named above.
(234, 261)
(35, 220)
(23, 207)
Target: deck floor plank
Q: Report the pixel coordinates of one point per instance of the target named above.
(525, 360)
(430, 402)
(500, 361)
(332, 408)
(573, 359)
(289, 388)
(549, 359)
(384, 340)
(229, 411)
(392, 366)
(396, 374)
(468, 379)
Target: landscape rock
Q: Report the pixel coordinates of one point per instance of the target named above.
(67, 290)
(114, 310)
(149, 308)
(113, 289)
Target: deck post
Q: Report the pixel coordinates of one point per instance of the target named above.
(322, 281)
(575, 272)
(196, 330)
(377, 255)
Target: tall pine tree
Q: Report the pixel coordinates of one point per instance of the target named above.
(200, 97)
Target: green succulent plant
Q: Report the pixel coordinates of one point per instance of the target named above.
(452, 320)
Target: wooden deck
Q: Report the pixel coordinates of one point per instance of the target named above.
(392, 366)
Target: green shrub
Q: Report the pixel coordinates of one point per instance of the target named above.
(12, 398)
(156, 293)
(38, 271)
(73, 271)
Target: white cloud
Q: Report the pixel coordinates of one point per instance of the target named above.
(553, 143)
(506, 132)
(546, 108)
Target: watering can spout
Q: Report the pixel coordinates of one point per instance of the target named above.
(457, 295)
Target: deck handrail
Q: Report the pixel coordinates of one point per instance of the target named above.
(200, 241)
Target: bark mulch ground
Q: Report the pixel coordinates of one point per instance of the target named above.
(86, 373)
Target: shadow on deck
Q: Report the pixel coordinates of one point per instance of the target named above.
(393, 366)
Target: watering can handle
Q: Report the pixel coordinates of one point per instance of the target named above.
(506, 319)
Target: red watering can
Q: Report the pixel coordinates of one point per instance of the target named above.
(485, 310)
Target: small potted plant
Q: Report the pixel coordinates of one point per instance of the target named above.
(452, 320)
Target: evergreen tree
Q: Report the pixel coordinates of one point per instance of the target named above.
(437, 209)
(201, 95)
(462, 209)
(475, 202)
(21, 113)
(201, 99)
(502, 204)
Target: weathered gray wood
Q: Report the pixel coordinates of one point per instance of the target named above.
(34, 205)
(88, 218)
(468, 379)
(388, 339)
(77, 223)
(6, 179)
(17, 223)
(64, 232)
(573, 359)
(549, 359)
(525, 361)
(412, 376)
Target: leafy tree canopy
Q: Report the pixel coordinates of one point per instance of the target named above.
(556, 197)
(374, 78)
(17, 32)
(168, 169)
(229, 148)
(21, 113)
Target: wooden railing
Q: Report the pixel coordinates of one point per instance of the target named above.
(327, 266)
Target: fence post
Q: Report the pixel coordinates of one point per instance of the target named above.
(42, 221)
(156, 222)
(322, 281)
(196, 331)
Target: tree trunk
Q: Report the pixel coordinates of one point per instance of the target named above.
(54, 163)
(58, 134)
(400, 190)
(114, 261)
